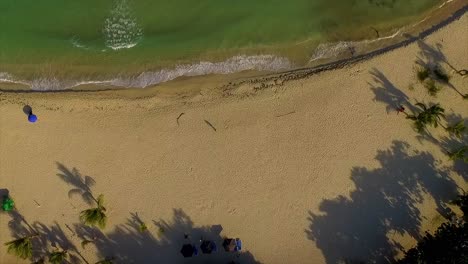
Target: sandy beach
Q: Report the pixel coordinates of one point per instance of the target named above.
(316, 170)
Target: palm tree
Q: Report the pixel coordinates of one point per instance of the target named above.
(457, 129)
(459, 154)
(428, 116)
(58, 257)
(95, 216)
(21, 247)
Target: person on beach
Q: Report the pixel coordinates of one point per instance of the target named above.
(400, 109)
(28, 111)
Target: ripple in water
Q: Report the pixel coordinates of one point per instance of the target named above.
(121, 30)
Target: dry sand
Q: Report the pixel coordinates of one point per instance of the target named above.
(314, 171)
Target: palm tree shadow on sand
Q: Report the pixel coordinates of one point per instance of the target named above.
(433, 57)
(81, 184)
(384, 204)
(128, 244)
(385, 91)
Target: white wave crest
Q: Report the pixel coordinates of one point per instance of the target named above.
(121, 30)
(234, 64)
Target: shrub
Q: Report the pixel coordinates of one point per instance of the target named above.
(432, 88)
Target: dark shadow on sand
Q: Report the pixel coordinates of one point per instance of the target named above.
(81, 184)
(127, 244)
(27, 110)
(385, 91)
(432, 57)
(384, 204)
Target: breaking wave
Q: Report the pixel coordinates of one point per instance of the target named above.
(145, 79)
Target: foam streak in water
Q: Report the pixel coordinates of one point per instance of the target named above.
(121, 29)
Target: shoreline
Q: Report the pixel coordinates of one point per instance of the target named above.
(232, 76)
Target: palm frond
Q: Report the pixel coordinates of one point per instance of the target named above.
(95, 216)
(142, 227)
(459, 154)
(422, 106)
(58, 257)
(100, 201)
(21, 247)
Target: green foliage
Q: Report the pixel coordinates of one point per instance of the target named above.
(428, 116)
(95, 216)
(457, 129)
(142, 227)
(7, 204)
(431, 87)
(58, 257)
(441, 75)
(21, 247)
(422, 74)
(459, 154)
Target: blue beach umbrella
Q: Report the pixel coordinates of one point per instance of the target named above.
(32, 118)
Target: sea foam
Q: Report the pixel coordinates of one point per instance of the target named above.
(121, 30)
(234, 64)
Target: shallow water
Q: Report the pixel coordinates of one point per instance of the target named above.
(89, 39)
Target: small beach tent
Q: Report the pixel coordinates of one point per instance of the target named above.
(7, 204)
(208, 246)
(188, 250)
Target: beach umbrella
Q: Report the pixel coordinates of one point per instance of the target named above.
(229, 244)
(208, 246)
(188, 250)
(32, 118)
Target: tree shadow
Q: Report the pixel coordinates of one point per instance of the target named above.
(388, 93)
(3, 193)
(82, 184)
(128, 244)
(48, 238)
(452, 142)
(384, 204)
(57, 239)
(432, 57)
